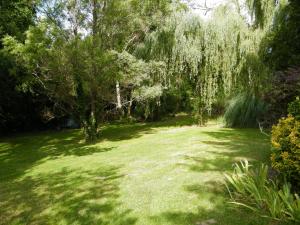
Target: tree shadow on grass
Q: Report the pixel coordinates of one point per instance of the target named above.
(228, 146)
(68, 197)
(217, 154)
(19, 154)
(121, 131)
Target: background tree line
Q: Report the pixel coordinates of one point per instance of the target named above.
(98, 60)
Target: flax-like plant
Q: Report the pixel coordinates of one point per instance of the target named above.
(251, 188)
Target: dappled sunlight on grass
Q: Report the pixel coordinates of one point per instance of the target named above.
(69, 196)
(162, 173)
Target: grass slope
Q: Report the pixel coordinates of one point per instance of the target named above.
(159, 173)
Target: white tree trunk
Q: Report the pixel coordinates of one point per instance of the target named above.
(119, 104)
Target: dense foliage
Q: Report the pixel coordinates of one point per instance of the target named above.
(280, 47)
(286, 149)
(252, 188)
(82, 66)
(94, 61)
(285, 86)
(294, 108)
(209, 60)
(99, 60)
(18, 111)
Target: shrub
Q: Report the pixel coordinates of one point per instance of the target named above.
(252, 189)
(294, 108)
(285, 155)
(284, 87)
(244, 111)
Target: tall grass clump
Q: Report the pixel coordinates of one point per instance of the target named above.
(244, 110)
(251, 188)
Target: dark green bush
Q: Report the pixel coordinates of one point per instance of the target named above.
(294, 108)
(284, 88)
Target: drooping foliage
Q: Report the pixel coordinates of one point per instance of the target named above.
(97, 60)
(244, 110)
(261, 11)
(280, 47)
(211, 60)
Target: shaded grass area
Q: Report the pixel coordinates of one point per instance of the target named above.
(156, 173)
(66, 197)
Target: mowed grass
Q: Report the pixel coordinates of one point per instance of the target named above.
(167, 173)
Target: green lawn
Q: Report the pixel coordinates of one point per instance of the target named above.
(144, 174)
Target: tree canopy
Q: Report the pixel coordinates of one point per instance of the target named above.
(98, 60)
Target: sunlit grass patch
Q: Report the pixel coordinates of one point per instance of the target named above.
(164, 173)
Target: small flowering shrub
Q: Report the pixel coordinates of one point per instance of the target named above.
(285, 155)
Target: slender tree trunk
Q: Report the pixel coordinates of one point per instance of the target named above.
(119, 103)
(129, 106)
(92, 125)
(91, 128)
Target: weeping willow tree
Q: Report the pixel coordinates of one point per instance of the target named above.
(262, 11)
(216, 58)
(251, 108)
